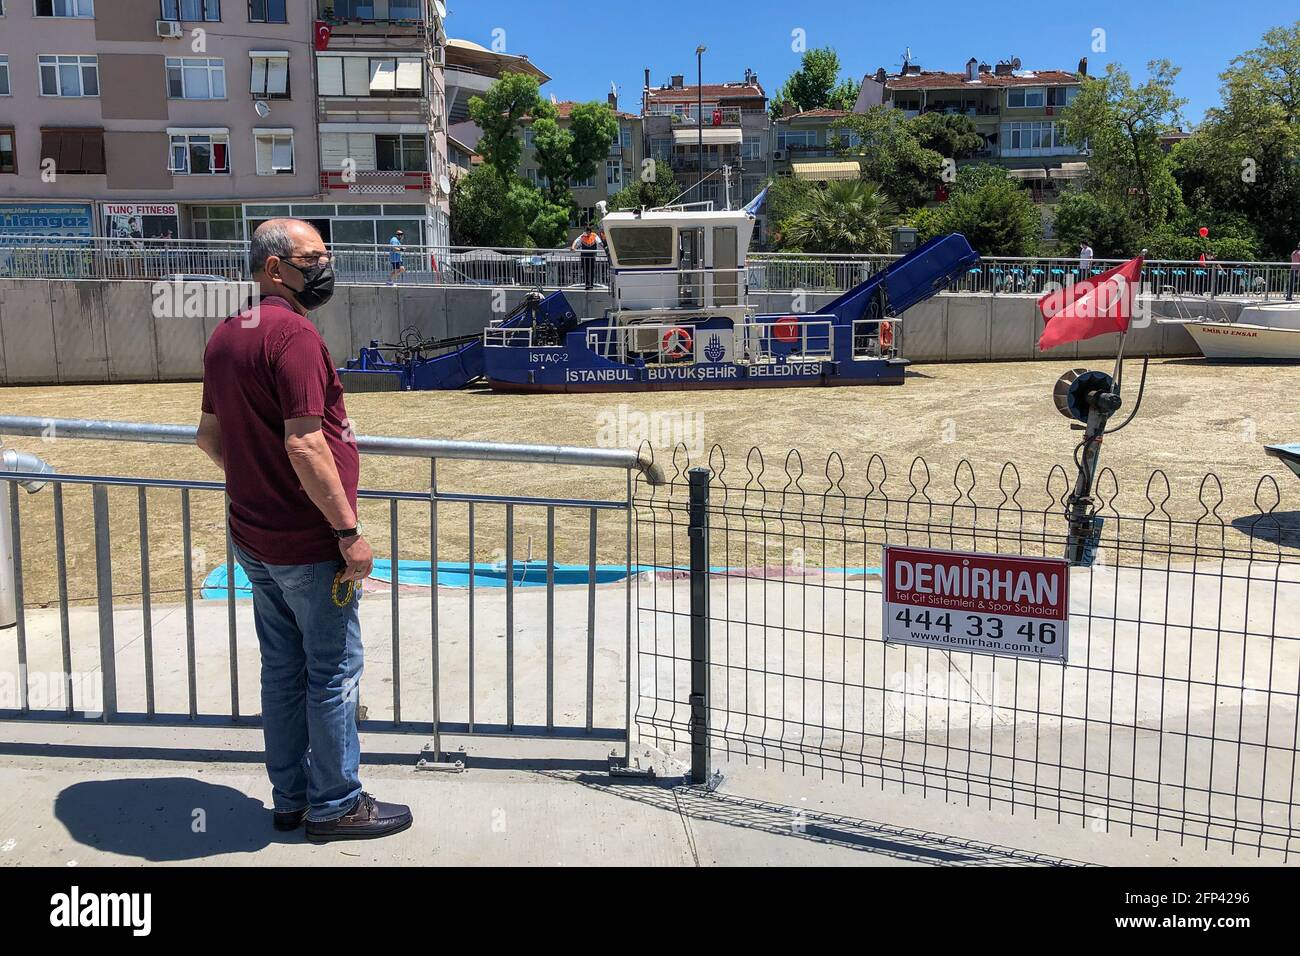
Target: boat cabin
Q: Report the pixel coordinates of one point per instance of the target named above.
(678, 258)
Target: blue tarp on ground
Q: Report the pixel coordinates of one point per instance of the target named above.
(456, 574)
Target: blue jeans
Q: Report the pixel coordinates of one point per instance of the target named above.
(311, 675)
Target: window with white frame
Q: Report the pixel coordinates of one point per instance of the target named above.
(588, 183)
(370, 76)
(1028, 138)
(4, 74)
(627, 137)
(196, 78)
(528, 137)
(69, 75)
(1026, 97)
(347, 151)
(195, 10)
(614, 173)
(8, 158)
(270, 73)
(401, 152)
(845, 137)
(199, 152)
(1061, 95)
(65, 8)
(274, 152)
(751, 148)
(787, 138)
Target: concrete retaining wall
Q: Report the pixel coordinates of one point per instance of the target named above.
(66, 332)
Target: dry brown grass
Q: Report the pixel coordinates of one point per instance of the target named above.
(1196, 418)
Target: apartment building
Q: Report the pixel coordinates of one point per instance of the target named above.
(736, 133)
(198, 118)
(152, 118)
(621, 163)
(811, 145)
(1015, 111)
(382, 121)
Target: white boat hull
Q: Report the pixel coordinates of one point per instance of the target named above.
(1236, 340)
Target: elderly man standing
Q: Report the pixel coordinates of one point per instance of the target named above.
(273, 420)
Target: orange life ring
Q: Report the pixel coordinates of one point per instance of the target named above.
(886, 334)
(677, 342)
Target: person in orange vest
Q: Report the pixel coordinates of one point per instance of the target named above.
(588, 244)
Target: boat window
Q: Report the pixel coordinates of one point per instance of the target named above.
(642, 246)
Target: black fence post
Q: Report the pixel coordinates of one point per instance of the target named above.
(698, 531)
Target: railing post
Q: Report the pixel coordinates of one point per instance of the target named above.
(698, 531)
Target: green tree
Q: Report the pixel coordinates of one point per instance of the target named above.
(565, 154)
(1243, 163)
(1122, 124)
(498, 113)
(490, 210)
(993, 213)
(892, 155)
(815, 85)
(1083, 215)
(951, 136)
(847, 216)
(659, 190)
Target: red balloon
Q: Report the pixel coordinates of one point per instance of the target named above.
(1203, 231)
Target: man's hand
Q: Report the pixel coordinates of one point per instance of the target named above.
(360, 559)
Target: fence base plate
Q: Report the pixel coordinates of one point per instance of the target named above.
(619, 767)
(431, 759)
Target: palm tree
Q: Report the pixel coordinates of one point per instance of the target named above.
(850, 215)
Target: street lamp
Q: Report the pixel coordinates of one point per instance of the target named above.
(699, 108)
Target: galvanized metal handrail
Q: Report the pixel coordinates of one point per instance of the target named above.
(390, 445)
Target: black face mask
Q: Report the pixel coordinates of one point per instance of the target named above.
(318, 285)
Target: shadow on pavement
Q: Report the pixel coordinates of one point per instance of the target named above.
(903, 843)
(162, 819)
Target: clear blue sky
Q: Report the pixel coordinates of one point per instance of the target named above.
(585, 46)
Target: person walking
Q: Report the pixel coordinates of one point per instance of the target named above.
(1295, 272)
(1085, 259)
(273, 420)
(588, 244)
(395, 249)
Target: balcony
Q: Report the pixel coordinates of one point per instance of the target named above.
(375, 109)
(376, 183)
(370, 15)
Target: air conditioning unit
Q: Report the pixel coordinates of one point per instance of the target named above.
(778, 154)
(170, 28)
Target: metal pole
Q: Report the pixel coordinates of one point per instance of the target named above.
(699, 110)
(698, 532)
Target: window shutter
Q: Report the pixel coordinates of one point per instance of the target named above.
(383, 76)
(409, 74)
(331, 75)
(282, 154)
(92, 152)
(363, 150)
(356, 76)
(52, 147)
(264, 156)
(333, 151)
(277, 77)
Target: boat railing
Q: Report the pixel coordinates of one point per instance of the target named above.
(671, 288)
(793, 337)
(509, 336)
(870, 343)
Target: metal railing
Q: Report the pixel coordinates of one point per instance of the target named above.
(116, 621)
(1175, 712)
(98, 258)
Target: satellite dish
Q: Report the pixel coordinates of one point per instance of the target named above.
(262, 109)
(444, 184)
(1015, 63)
(602, 207)
(441, 8)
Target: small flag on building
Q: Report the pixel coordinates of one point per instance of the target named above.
(1090, 307)
(323, 31)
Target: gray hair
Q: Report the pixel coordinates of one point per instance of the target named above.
(269, 239)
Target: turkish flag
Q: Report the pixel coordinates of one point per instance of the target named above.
(1091, 306)
(323, 31)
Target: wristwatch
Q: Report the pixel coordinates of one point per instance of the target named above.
(345, 533)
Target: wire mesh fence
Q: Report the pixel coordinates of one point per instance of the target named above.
(1175, 712)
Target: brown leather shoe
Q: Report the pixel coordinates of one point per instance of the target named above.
(365, 821)
(286, 820)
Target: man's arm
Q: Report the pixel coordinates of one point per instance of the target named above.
(209, 438)
(313, 463)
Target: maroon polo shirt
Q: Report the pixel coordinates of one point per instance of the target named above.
(256, 374)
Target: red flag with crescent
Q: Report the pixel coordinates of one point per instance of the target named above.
(323, 31)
